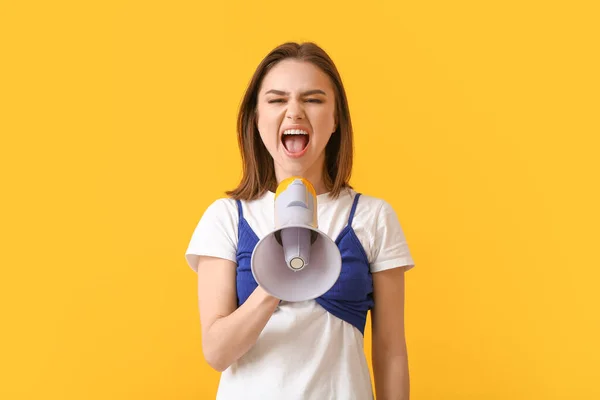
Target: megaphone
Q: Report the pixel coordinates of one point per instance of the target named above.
(296, 261)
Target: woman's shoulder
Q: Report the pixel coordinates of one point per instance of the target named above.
(222, 206)
(223, 202)
(373, 212)
(228, 206)
(368, 201)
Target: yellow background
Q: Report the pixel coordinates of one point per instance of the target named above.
(477, 120)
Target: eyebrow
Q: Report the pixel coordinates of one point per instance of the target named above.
(307, 93)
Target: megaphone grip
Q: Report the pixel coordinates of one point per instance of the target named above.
(296, 244)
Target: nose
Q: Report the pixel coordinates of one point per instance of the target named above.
(294, 111)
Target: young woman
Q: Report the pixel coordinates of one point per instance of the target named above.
(294, 121)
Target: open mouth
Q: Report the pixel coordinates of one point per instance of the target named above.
(295, 141)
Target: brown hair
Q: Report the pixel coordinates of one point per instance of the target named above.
(258, 169)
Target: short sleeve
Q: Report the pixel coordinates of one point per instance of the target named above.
(390, 248)
(216, 233)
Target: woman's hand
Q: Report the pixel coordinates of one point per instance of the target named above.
(228, 332)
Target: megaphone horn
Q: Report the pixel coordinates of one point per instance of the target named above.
(296, 261)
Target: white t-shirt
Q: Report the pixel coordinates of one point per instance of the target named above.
(304, 352)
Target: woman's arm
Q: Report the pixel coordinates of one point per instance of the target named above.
(390, 358)
(228, 332)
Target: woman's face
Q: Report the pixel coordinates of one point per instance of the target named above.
(296, 117)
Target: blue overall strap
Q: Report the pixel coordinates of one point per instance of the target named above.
(353, 210)
(239, 206)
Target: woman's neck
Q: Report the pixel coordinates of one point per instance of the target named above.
(314, 177)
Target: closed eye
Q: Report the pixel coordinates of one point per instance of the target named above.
(318, 101)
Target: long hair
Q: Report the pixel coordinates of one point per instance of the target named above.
(258, 167)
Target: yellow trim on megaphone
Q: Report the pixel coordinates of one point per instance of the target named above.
(287, 182)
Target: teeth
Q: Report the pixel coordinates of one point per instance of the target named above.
(295, 132)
